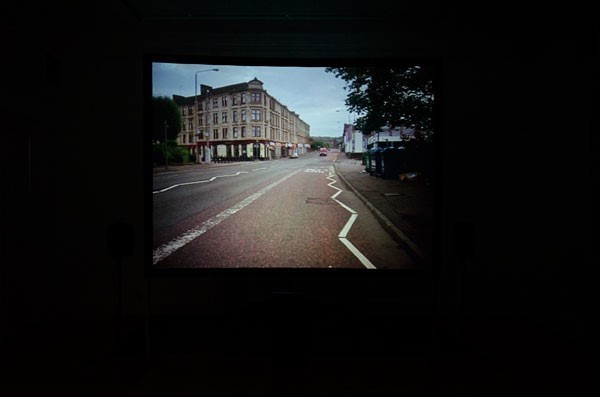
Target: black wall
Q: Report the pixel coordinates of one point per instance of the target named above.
(510, 302)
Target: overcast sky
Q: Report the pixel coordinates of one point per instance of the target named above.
(316, 96)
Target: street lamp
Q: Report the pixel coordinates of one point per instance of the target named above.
(198, 110)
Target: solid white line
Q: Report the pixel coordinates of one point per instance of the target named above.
(167, 249)
(196, 182)
(342, 236)
(345, 206)
(348, 225)
(363, 259)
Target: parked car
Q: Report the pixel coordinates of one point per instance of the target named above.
(294, 155)
(323, 151)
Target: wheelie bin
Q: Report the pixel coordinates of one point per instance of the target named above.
(394, 162)
(390, 162)
(377, 158)
(367, 161)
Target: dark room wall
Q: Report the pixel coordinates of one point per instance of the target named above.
(515, 161)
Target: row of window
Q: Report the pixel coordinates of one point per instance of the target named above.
(255, 97)
(256, 132)
(281, 109)
(255, 115)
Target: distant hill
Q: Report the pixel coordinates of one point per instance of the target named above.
(327, 138)
(330, 141)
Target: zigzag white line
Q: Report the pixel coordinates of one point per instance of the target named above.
(344, 232)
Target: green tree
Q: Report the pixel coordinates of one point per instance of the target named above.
(174, 152)
(316, 144)
(165, 109)
(395, 96)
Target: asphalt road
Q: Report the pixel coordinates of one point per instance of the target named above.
(282, 213)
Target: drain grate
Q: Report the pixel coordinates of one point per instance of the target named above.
(313, 200)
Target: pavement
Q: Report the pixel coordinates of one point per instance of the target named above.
(177, 167)
(404, 207)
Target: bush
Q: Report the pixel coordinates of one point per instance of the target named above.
(175, 153)
(179, 154)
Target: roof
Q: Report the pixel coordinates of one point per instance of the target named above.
(182, 101)
(228, 89)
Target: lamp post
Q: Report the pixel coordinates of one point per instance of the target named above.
(207, 151)
(198, 110)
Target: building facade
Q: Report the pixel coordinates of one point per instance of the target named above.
(390, 137)
(353, 140)
(241, 122)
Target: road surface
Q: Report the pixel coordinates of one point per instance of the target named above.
(288, 213)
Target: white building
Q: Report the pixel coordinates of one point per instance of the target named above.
(353, 140)
(390, 137)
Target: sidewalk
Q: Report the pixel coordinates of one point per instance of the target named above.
(404, 208)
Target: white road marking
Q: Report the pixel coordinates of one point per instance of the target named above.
(196, 182)
(344, 232)
(258, 169)
(316, 170)
(167, 249)
(348, 225)
(363, 259)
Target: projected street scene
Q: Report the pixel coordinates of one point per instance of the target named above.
(291, 167)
